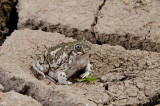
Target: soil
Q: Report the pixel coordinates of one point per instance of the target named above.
(125, 77)
(125, 51)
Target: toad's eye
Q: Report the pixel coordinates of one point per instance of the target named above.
(78, 47)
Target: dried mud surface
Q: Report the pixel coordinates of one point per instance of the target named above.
(125, 57)
(125, 77)
(133, 24)
(13, 98)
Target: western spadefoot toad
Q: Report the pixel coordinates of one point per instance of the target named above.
(60, 62)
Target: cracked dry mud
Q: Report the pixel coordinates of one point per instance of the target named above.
(133, 26)
(125, 77)
(13, 98)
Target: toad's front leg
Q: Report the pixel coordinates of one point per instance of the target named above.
(88, 70)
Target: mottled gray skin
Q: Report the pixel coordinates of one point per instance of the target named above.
(62, 61)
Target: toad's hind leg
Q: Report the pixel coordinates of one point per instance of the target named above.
(39, 68)
(50, 78)
(60, 76)
(88, 70)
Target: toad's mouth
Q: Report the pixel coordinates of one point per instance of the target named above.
(86, 52)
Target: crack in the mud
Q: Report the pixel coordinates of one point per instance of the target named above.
(95, 22)
(127, 77)
(9, 19)
(20, 86)
(93, 101)
(25, 90)
(152, 101)
(98, 103)
(127, 41)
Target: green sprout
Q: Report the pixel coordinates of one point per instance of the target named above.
(89, 79)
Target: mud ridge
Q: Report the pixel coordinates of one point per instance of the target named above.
(65, 30)
(13, 19)
(127, 41)
(152, 101)
(23, 87)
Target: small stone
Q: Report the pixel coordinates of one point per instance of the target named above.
(1, 87)
(126, 2)
(100, 105)
(101, 84)
(103, 78)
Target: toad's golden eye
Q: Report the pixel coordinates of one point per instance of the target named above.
(78, 47)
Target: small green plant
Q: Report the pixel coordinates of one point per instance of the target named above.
(88, 79)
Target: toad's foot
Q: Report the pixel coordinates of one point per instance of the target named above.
(62, 78)
(88, 71)
(50, 78)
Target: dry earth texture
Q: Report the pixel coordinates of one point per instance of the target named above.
(125, 51)
(133, 24)
(125, 76)
(13, 98)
